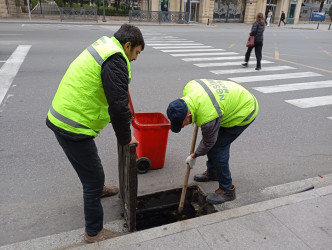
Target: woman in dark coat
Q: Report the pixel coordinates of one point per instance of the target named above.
(257, 30)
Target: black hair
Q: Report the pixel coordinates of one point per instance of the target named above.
(130, 33)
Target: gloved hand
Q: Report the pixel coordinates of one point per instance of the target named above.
(191, 161)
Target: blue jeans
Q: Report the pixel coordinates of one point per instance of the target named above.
(83, 156)
(218, 156)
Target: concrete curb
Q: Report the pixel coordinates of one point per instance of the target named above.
(74, 239)
(162, 231)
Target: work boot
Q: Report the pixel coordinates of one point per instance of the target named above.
(109, 191)
(221, 196)
(104, 234)
(206, 176)
(245, 65)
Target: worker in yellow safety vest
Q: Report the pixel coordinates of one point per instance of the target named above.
(92, 93)
(223, 110)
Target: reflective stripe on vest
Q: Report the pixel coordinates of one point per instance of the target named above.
(67, 120)
(211, 95)
(215, 102)
(95, 55)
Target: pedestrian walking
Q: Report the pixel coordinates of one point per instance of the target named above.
(257, 30)
(92, 93)
(282, 18)
(269, 16)
(223, 110)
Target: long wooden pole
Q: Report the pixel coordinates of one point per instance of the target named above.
(185, 184)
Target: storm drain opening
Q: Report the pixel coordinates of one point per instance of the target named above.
(161, 208)
(155, 209)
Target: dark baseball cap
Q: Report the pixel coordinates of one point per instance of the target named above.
(176, 112)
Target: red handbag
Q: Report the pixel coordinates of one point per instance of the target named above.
(251, 41)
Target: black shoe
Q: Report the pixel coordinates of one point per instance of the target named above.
(245, 65)
(258, 69)
(221, 196)
(205, 177)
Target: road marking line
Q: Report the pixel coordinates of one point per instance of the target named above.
(294, 87)
(252, 70)
(312, 101)
(276, 54)
(273, 77)
(10, 68)
(326, 52)
(212, 58)
(170, 44)
(168, 41)
(232, 45)
(183, 47)
(206, 54)
(205, 65)
(189, 50)
(329, 117)
(300, 64)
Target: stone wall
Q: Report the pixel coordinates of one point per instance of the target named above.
(3, 9)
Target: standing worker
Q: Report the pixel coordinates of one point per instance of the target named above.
(92, 93)
(223, 110)
(257, 30)
(282, 18)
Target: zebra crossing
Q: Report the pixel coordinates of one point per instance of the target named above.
(218, 61)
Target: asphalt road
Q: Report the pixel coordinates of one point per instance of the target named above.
(40, 192)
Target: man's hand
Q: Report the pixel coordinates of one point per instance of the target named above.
(191, 161)
(133, 141)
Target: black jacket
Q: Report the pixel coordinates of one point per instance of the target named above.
(114, 75)
(257, 30)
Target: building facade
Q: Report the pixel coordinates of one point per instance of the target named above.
(237, 10)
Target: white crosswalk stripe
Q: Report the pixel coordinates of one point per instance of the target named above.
(173, 44)
(166, 40)
(197, 59)
(312, 101)
(190, 50)
(250, 70)
(182, 47)
(207, 65)
(294, 86)
(273, 77)
(206, 54)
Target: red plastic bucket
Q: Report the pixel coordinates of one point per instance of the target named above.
(151, 130)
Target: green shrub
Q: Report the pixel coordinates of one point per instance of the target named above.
(330, 11)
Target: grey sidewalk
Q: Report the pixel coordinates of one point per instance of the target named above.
(299, 221)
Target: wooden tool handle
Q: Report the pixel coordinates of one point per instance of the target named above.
(186, 178)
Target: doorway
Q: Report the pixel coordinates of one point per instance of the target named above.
(194, 11)
(291, 13)
(271, 5)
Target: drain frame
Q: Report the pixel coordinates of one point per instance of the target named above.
(134, 206)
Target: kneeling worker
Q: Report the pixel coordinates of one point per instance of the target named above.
(223, 110)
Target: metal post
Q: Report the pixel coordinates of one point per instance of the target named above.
(318, 26)
(30, 11)
(104, 20)
(329, 26)
(41, 11)
(208, 21)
